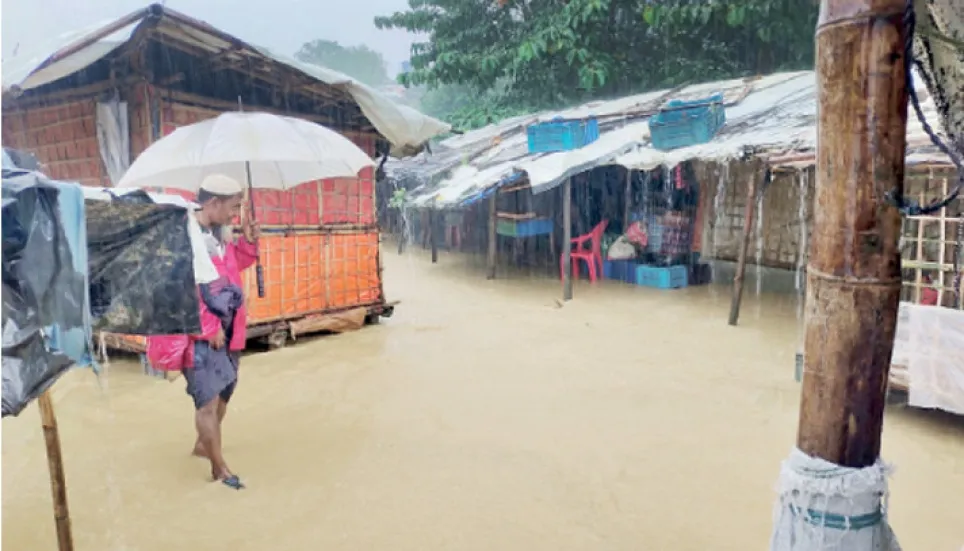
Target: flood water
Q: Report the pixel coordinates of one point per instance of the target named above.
(481, 416)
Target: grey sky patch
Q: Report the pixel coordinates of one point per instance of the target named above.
(281, 25)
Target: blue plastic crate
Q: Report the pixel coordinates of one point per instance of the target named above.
(561, 135)
(524, 228)
(669, 277)
(686, 123)
(619, 270)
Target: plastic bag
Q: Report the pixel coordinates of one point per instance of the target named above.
(637, 234)
(622, 249)
(42, 289)
(141, 267)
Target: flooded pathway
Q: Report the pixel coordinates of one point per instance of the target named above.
(483, 416)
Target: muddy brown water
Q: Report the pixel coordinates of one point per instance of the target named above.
(482, 416)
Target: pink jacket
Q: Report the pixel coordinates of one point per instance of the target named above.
(176, 352)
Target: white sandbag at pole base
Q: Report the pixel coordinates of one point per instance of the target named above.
(826, 507)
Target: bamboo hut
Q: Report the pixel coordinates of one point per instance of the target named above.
(90, 107)
(762, 233)
(771, 124)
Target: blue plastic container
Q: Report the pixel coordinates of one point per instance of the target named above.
(561, 135)
(686, 123)
(524, 228)
(619, 270)
(669, 277)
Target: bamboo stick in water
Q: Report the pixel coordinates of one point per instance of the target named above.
(738, 279)
(58, 485)
(567, 240)
(493, 238)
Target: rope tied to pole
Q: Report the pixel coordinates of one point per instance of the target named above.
(907, 206)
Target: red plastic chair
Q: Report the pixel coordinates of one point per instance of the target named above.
(591, 256)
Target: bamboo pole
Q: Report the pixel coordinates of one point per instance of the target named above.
(433, 234)
(958, 265)
(941, 252)
(58, 485)
(400, 222)
(919, 271)
(567, 240)
(738, 279)
(853, 274)
(627, 199)
(493, 237)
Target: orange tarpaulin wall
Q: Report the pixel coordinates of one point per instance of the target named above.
(307, 273)
(320, 243)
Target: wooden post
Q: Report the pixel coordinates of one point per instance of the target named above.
(738, 279)
(433, 234)
(919, 261)
(853, 274)
(627, 199)
(58, 485)
(493, 236)
(400, 222)
(942, 248)
(958, 264)
(567, 239)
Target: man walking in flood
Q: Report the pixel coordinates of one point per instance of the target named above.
(211, 368)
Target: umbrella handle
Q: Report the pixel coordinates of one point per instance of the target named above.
(259, 272)
(258, 269)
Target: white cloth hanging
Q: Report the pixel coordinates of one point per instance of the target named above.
(113, 138)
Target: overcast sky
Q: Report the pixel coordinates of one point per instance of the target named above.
(281, 25)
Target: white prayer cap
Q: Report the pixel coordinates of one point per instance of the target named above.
(219, 184)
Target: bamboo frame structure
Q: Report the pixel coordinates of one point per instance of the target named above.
(925, 259)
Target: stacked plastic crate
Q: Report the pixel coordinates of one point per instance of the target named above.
(684, 123)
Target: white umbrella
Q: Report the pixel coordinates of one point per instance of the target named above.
(281, 152)
(264, 150)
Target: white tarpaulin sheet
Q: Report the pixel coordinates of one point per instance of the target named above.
(404, 127)
(930, 343)
(548, 171)
(772, 116)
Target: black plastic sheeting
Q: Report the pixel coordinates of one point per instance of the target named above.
(141, 267)
(140, 278)
(40, 288)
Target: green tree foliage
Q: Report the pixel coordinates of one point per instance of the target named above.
(530, 54)
(360, 62)
(465, 107)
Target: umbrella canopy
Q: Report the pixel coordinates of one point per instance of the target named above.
(282, 151)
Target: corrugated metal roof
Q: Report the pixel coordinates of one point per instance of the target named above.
(405, 128)
(772, 116)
